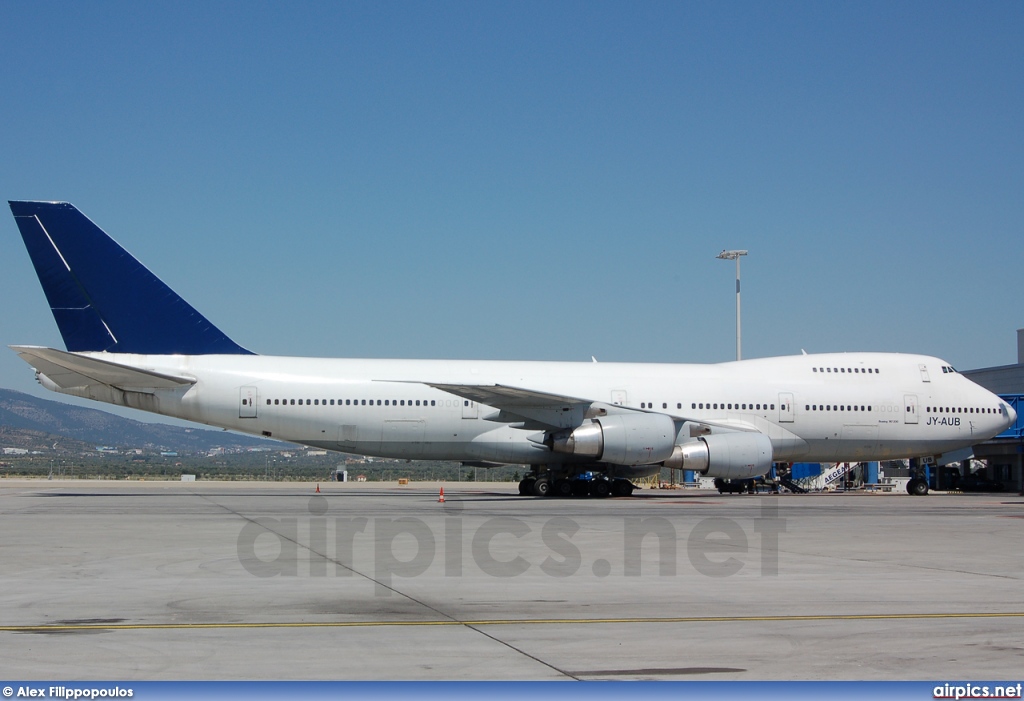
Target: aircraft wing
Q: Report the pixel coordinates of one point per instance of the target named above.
(68, 370)
(542, 410)
(505, 397)
(532, 409)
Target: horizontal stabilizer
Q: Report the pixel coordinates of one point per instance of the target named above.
(69, 370)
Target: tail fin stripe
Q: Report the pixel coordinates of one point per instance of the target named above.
(50, 239)
(74, 277)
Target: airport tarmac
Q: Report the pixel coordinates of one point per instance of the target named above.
(230, 580)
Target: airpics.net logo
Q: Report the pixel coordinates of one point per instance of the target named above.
(381, 549)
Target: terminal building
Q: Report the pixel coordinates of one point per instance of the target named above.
(1004, 454)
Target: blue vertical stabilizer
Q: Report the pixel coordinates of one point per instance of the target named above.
(101, 297)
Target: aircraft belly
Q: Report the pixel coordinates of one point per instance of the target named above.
(836, 450)
(858, 442)
(418, 439)
(403, 438)
(789, 449)
(507, 445)
(362, 438)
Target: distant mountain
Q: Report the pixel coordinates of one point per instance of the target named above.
(27, 416)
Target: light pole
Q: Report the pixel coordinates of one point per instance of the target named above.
(735, 255)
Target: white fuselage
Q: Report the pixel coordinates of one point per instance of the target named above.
(829, 408)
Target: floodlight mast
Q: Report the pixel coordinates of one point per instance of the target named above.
(735, 255)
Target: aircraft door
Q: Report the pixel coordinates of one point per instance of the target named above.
(247, 403)
(470, 409)
(786, 415)
(910, 409)
(619, 397)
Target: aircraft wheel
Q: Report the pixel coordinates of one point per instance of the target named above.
(562, 488)
(600, 489)
(541, 487)
(622, 488)
(526, 486)
(917, 487)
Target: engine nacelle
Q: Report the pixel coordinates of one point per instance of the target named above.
(621, 439)
(732, 455)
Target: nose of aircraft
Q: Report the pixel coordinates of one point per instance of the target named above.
(1011, 415)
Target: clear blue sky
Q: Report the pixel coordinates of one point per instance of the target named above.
(546, 180)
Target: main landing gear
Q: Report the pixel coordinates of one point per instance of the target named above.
(579, 486)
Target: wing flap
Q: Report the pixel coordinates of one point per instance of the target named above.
(68, 370)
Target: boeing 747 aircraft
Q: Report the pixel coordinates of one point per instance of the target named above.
(133, 342)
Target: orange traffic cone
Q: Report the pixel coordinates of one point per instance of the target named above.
(440, 499)
(318, 488)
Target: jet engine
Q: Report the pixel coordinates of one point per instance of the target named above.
(732, 455)
(620, 439)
